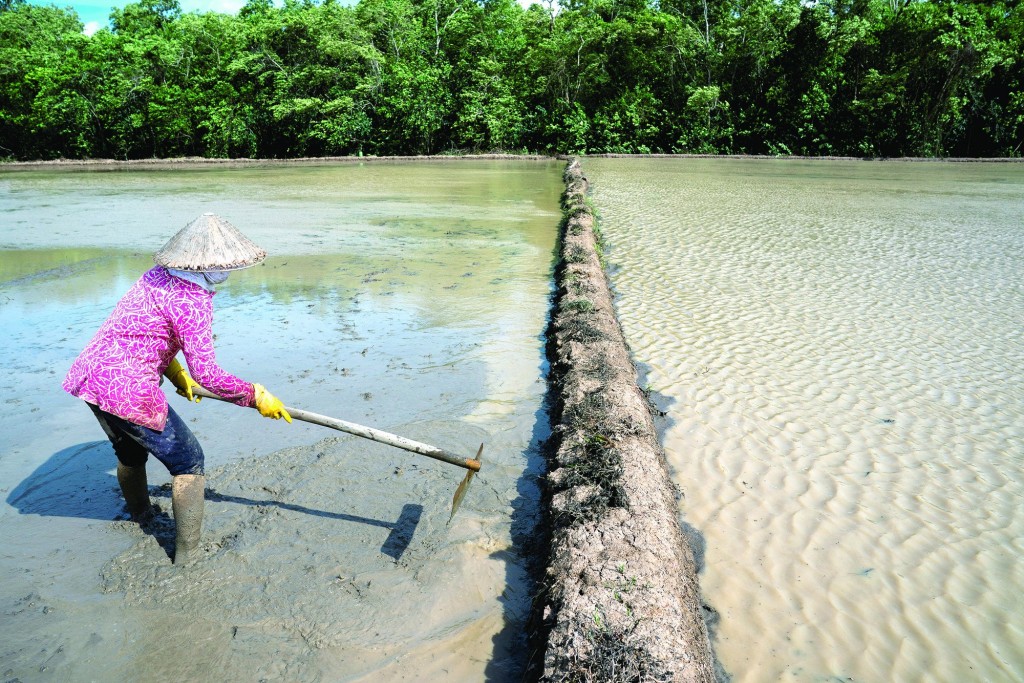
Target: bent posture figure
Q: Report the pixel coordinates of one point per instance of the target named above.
(170, 309)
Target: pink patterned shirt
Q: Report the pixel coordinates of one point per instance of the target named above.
(120, 369)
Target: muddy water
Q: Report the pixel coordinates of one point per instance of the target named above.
(839, 348)
(411, 297)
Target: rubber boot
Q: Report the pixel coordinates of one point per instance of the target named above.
(187, 493)
(135, 490)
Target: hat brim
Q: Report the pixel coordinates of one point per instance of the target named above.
(209, 243)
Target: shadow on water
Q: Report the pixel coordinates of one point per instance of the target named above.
(524, 561)
(394, 545)
(79, 481)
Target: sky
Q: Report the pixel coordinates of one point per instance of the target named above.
(95, 13)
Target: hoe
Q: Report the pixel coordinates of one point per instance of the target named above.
(471, 464)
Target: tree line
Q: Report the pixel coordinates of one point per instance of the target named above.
(318, 78)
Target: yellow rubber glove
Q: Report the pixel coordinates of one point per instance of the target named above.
(269, 405)
(181, 379)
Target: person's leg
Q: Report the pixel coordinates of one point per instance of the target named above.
(135, 489)
(179, 450)
(131, 468)
(187, 500)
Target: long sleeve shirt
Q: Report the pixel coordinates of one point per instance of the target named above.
(120, 369)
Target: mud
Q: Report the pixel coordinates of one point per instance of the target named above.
(621, 599)
(411, 298)
(292, 571)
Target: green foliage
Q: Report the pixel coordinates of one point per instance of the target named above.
(314, 77)
(579, 306)
(39, 48)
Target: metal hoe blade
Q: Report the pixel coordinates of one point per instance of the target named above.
(460, 492)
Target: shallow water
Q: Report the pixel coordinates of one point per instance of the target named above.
(410, 297)
(839, 348)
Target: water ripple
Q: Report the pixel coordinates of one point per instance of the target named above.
(841, 344)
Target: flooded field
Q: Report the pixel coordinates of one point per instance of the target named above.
(838, 348)
(406, 296)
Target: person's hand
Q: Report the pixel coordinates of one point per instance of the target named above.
(181, 379)
(269, 405)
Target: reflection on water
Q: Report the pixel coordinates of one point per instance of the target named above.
(841, 345)
(409, 297)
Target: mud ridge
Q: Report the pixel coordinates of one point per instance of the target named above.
(620, 599)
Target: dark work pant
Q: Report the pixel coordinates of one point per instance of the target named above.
(176, 446)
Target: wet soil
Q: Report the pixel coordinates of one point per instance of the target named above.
(291, 564)
(407, 297)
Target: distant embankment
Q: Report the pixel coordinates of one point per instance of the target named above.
(184, 162)
(620, 596)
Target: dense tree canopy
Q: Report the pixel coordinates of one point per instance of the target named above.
(313, 78)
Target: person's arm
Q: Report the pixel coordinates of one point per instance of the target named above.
(192, 319)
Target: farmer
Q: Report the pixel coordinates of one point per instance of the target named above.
(170, 309)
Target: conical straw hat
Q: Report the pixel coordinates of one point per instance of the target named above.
(209, 243)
